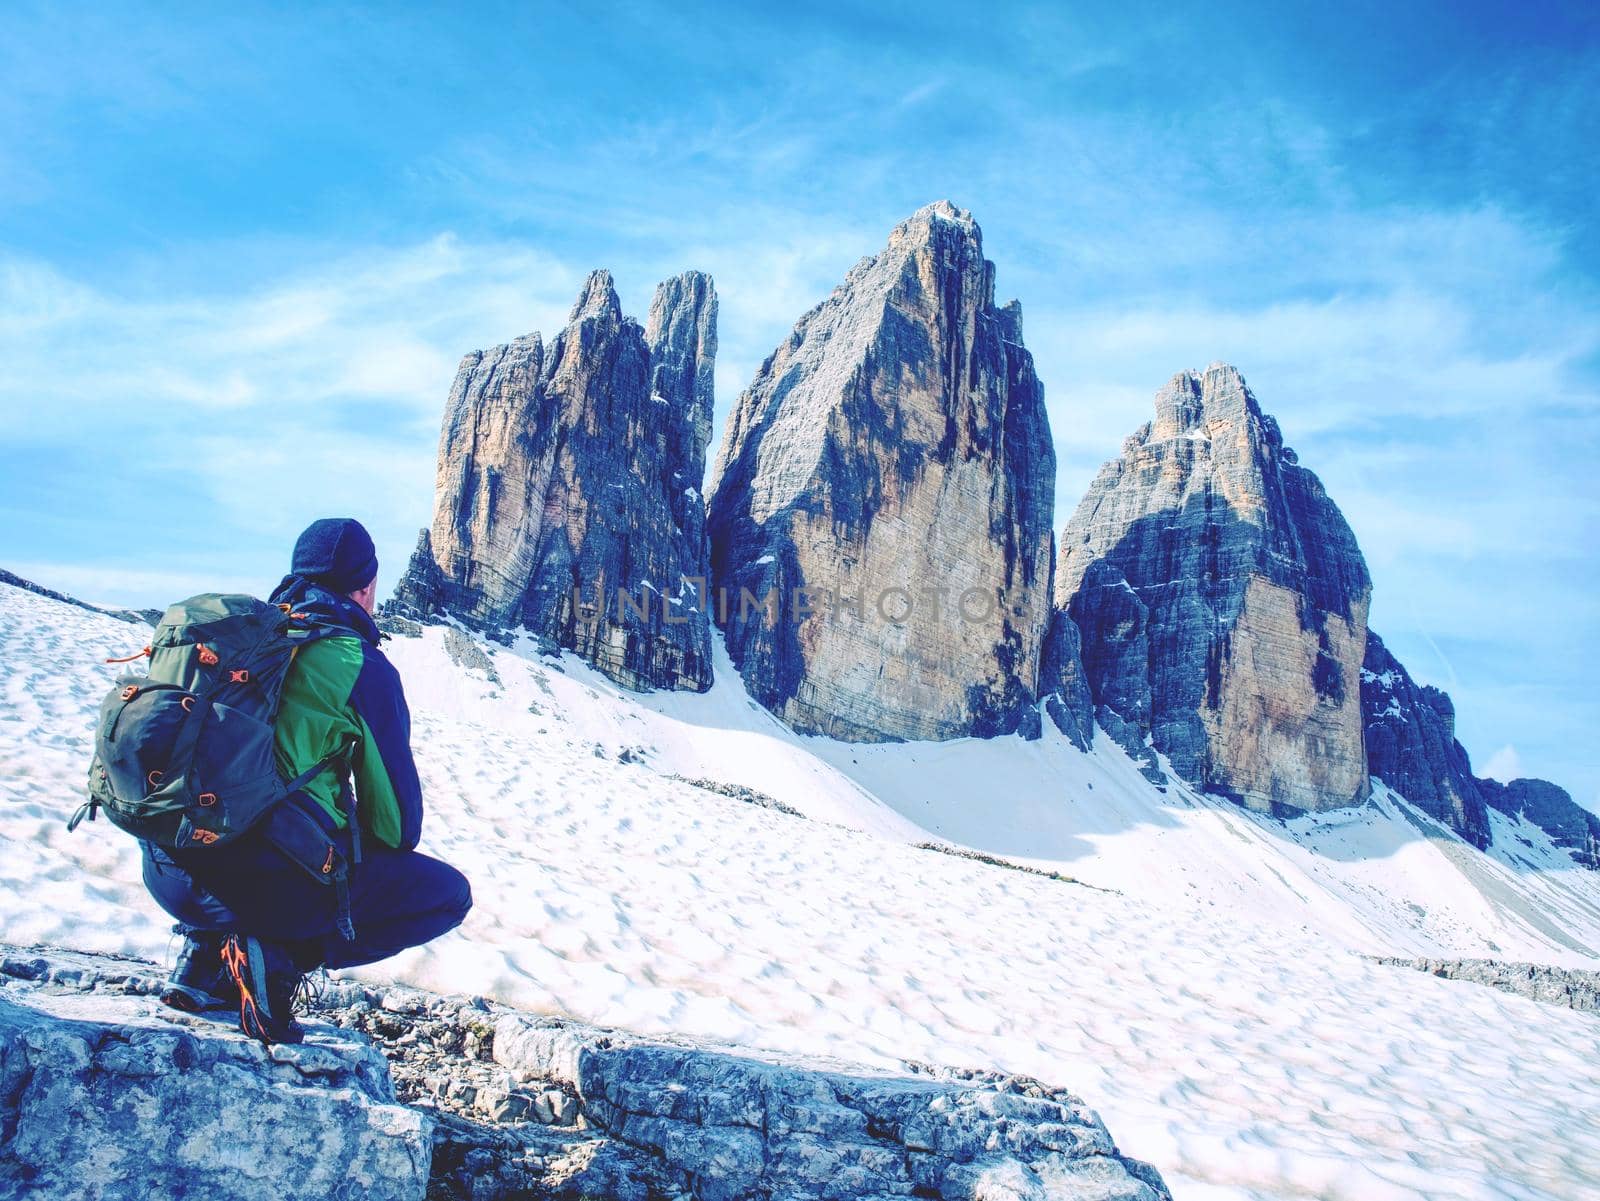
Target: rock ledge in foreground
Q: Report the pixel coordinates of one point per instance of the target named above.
(106, 1093)
(517, 1106)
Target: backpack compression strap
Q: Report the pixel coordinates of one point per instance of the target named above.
(344, 752)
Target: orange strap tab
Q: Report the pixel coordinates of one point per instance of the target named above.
(129, 659)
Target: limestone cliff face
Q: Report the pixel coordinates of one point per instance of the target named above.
(1222, 604)
(883, 496)
(1412, 747)
(567, 499)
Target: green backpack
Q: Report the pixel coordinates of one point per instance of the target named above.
(184, 755)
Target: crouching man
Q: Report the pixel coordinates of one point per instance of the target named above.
(254, 922)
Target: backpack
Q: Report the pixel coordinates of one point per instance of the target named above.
(184, 755)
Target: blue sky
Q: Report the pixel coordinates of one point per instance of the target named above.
(241, 252)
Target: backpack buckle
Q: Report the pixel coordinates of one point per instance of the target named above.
(207, 799)
(239, 676)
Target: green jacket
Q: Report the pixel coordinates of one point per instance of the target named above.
(343, 687)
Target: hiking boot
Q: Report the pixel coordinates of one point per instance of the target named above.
(199, 981)
(268, 980)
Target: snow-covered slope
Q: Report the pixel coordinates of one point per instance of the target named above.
(1210, 994)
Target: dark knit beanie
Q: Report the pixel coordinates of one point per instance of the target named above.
(336, 552)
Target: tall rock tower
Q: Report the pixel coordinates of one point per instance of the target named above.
(1222, 604)
(567, 498)
(881, 506)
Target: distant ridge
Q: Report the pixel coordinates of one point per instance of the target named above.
(136, 616)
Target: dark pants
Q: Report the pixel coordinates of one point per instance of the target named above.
(398, 899)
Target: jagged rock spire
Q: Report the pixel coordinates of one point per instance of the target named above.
(567, 497)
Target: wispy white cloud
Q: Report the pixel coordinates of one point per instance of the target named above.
(313, 392)
(112, 586)
(378, 325)
(1504, 765)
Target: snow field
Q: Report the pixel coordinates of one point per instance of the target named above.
(1216, 1008)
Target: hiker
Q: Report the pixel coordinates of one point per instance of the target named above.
(254, 921)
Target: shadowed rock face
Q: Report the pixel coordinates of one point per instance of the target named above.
(1068, 700)
(1412, 747)
(567, 500)
(891, 468)
(1222, 604)
(1553, 810)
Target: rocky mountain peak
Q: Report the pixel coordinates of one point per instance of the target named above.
(918, 227)
(567, 498)
(682, 333)
(892, 455)
(598, 299)
(1192, 400)
(1221, 602)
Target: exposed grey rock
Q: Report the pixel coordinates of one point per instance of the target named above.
(682, 333)
(533, 1108)
(469, 656)
(888, 480)
(960, 852)
(1412, 747)
(1572, 987)
(399, 627)
(106, 1094)
(567, 497)
(1062, 679)
(739, 792)
(748, 1126)
(497, 1135)
(1222, 604)
(1553, 810)
(476, 1161)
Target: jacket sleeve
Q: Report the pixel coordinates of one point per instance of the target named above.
(385, 773)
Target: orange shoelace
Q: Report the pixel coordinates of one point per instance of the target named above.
(234, 959)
